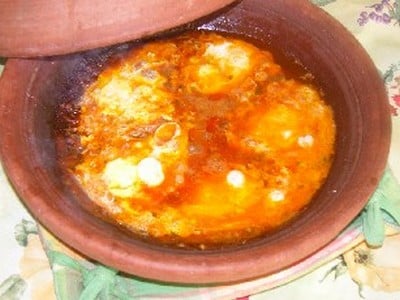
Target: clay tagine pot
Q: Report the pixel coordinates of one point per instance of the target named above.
(31, 88)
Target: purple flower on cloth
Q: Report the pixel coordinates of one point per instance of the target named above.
(385, 12)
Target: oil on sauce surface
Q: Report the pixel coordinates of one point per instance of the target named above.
(202, 140)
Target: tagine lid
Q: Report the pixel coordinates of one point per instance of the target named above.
(54, 27)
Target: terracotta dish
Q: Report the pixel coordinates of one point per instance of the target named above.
(30, 89)
(37, 28)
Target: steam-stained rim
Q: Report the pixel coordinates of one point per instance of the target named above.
(52, 27)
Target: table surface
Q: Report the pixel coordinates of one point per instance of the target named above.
(25, 272)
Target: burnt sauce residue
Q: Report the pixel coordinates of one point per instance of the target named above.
(198, 140)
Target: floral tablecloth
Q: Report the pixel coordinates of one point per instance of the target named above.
(35, 265)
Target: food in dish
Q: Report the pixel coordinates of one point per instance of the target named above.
(201, 140)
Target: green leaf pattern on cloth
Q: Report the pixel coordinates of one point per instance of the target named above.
(105, 283)
(12, 288)
(322, 2)
(22, 230)
(99, 282)
(384, 205)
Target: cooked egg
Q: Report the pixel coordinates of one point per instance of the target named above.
(275, 128)
(121, 177)
(235, 178)
(305, 141)
(276, 195)
(222, 65)
(141, 103)
(150, 171)
(116, 93)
